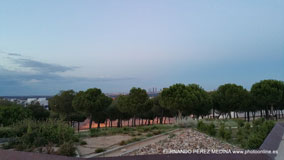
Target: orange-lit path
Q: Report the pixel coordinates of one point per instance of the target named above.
(85, 125)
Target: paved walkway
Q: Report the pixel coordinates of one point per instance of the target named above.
(280, 155)
(127, 149)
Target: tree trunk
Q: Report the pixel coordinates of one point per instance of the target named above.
(248, 116)
(99, 124)
(78, 126)
(266, 113)
(118, 123)
(213, 113)
(91, 120)
(161, 120)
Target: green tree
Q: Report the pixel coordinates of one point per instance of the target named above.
(113, 113)
(37, 111)
(4, 102)
(90, 103)
(229, 97)
(103, 103)
(268, 94)
(200, 100)
(137, 99)
(176, 98)
(62, 103)
(12, 114)
(159, 111)
(190, 99)
(121, 104)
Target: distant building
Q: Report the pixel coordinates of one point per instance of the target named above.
(43, 101)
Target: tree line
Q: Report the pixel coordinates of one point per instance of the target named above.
(179, 100)
(266, 96)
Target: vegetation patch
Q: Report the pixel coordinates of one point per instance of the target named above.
(36, 134)
(99, 150)
(247, 135)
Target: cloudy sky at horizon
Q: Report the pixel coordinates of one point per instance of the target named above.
(48, 46)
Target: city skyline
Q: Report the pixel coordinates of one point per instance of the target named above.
(48, 46)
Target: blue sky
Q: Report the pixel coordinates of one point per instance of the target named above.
(48, 46)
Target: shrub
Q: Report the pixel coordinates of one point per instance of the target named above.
(171, 135)
(211, 129)
(247, 126)
(67, 149)
(122, 143)
(133, 140)
(7, 132)
(258, 121)
(13, 114)
(153, 127)
(149, 135)
(222, 131)
(99, 150)
(156, 132)
(201, 126)
(240, 123)
(139, 134)
(83, 143)
(252, 137)
(132, 134)
(240, 134)
(254, 141)
(228, 134)
(33, 134)
(95, 132)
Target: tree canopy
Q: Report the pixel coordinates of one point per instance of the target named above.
(91, 103)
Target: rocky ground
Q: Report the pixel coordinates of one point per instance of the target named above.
(188, 139)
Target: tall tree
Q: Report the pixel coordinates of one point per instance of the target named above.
(102, 106)
(122, 104)
(158, 110)
(268, 93)
(137, 98)
(12, 114)
(229, 97)
(37, 111)
(62, 103)
(90, 103)
(200, 100)
(176, 98)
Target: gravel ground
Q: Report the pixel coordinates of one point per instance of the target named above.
(188, 139)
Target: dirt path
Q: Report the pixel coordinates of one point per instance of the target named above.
(124, 150)
(106, 142)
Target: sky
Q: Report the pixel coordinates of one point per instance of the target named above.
(48, 46)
